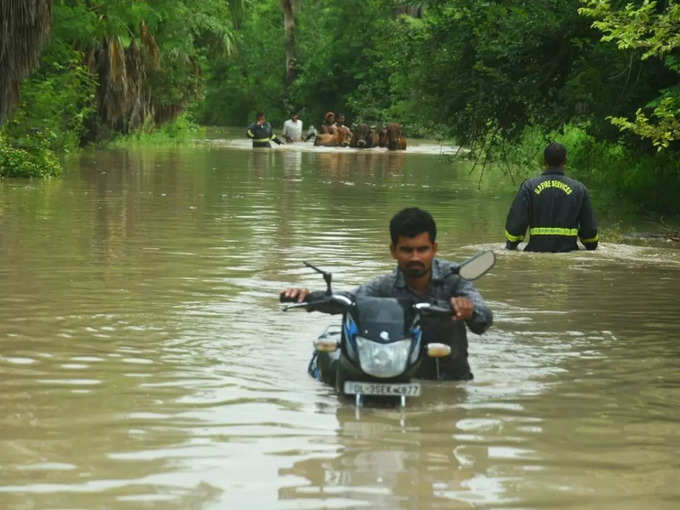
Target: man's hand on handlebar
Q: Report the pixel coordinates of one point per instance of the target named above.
(462, 307)
(293, 294)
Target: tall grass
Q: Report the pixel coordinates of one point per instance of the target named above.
(178, 131)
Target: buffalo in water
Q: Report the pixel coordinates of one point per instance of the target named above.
(392, 137)
(364, 136)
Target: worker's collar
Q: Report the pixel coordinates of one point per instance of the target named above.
(437, 275)
(555, 170)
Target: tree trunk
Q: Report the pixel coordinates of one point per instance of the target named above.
(24, 26)
(290, 9)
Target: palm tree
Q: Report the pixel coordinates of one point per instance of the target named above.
(24, 27)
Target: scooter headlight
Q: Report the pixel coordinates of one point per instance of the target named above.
(383, 360)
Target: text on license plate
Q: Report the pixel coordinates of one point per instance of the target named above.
(395, 389)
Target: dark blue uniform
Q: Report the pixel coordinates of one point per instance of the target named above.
(261, 134)
(556, 209)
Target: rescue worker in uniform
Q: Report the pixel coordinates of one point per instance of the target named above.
(260, 132)
(555, 208)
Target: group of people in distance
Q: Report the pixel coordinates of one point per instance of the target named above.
(331, 123)
(261, 133)
(554, 208)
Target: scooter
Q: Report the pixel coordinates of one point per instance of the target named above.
(378, 347)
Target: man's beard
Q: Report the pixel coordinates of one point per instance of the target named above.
(415, 270)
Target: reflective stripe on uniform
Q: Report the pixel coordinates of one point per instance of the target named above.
(589, 240)
(513, 239)
(260, 140)
(553, 231)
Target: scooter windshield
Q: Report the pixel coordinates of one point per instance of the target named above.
(383, 319)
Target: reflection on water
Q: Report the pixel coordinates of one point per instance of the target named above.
(144, 360)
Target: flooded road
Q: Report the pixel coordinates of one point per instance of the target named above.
(145, 362)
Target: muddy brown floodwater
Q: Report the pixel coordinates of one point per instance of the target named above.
(145, 362)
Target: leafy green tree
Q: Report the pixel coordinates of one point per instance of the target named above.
(109, 67)
(498, 66)
(655, 31)
(56, 101)
(252, 77)
(338, 65)
(56, 98)
(146, 55)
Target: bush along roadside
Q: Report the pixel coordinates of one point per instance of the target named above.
(180, 130)
(35, 161)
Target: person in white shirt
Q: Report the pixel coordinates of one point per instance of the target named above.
(292, 129)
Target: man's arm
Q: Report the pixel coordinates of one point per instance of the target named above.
(272, 136)
(481, 316)
(518, 218)
(587, 232)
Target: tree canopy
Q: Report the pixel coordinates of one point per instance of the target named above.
(652, 31)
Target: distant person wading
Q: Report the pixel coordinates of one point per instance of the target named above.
(292, 129)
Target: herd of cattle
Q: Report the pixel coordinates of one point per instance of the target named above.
(363, 136)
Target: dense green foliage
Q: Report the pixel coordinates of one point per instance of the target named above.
(55, 102)
(464, 68)
(252, 78)
(502, 77)
(146, 56)
(655, 31)
(114, 67)
(33, 162)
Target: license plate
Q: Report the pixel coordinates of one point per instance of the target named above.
(394, 389)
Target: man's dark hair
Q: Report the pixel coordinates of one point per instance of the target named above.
(555, 154)
(411, 222)
(259, 115)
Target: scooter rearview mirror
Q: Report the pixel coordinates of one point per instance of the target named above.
(477, 265)
(326, 276)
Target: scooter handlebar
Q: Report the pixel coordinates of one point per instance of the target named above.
(303, 304)
(334, 299)
(430, 309)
